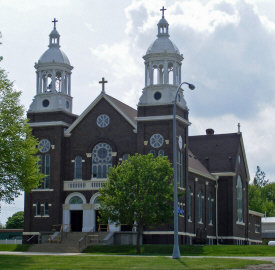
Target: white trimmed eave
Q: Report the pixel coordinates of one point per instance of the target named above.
(67, 133)
(210, 177)
(221, 174)
(49, 124)
(162, 117)
(245, 160)
(254, 213)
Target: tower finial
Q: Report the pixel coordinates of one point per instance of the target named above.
(163, 11)
(239, 128)
(103, 84)
(54, 23)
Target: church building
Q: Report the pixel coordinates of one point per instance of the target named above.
(76, 152)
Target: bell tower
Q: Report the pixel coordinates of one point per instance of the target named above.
(53, 79)
(162, 69)
(162, 63)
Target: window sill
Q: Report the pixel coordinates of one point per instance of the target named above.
(189, 220)
(200, 223)
(240, 223)
(210, 224)
(37, 216)
(46, 216)
(181, 215)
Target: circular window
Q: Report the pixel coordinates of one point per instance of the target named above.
(45, 103)
(157, 95)
(102, 152)
(67, 104)
(103, 120)
(156, 140)
(45, 146)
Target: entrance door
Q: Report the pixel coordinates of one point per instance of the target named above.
(97, 215)
(76, 220)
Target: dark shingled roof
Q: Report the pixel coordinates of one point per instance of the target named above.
(196, 165)
(129, 111)
(214, 151)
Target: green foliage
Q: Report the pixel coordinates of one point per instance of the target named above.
(185, 250)
(18, 162)
(120, 262)
(14, 247)
(261, 194)
(139, 190)
(16, 221)
(259, 179)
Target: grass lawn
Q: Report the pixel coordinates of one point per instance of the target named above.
(118, 262)
(185, 250)
(13, 247)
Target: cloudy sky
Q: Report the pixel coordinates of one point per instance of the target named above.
(228, 49)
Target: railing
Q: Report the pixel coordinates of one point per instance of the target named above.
(64, 230)
(82, 243)
(84, 185)
(31, 238)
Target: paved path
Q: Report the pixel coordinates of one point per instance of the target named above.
(272, 259)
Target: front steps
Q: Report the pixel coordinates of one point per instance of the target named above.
(69, 244)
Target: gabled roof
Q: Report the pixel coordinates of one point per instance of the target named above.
(126, 111)
(218, 152)
(196, 167)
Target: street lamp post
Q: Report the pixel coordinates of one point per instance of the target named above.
(176, 251)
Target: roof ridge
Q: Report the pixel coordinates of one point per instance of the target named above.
(120, 102)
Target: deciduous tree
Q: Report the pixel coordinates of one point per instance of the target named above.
(16, 221)
(139, 191)
(18, 162)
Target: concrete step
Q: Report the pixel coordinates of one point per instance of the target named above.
(69, 244)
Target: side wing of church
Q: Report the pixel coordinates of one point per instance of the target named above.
(77, 151)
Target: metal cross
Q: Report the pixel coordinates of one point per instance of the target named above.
(54, 21)
(103, 82)
(163, 11)
(239, 127)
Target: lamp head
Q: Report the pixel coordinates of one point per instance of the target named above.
(191, 86)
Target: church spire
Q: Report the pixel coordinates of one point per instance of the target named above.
(54, 36)
(163, 26)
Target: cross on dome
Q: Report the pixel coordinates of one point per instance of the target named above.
(163, 11)
(103, 84)
(54, 22)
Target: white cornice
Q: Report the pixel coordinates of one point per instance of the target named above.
(162, 117)
(245, 161)
(202, 174)
(49, 124)
(224, 174)
(251, 212)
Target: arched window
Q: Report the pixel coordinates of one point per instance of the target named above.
(210, 209)
(189, 200)
(76, 200)
(39, 163)
(170, 73)
(239, 199)
(153, 153)
(200, 207)
(125, 157)
(180, 168)
(102, 160)
(47, 172)
(37, 210)
(46, 209)
(78, 168)
(161, 153)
